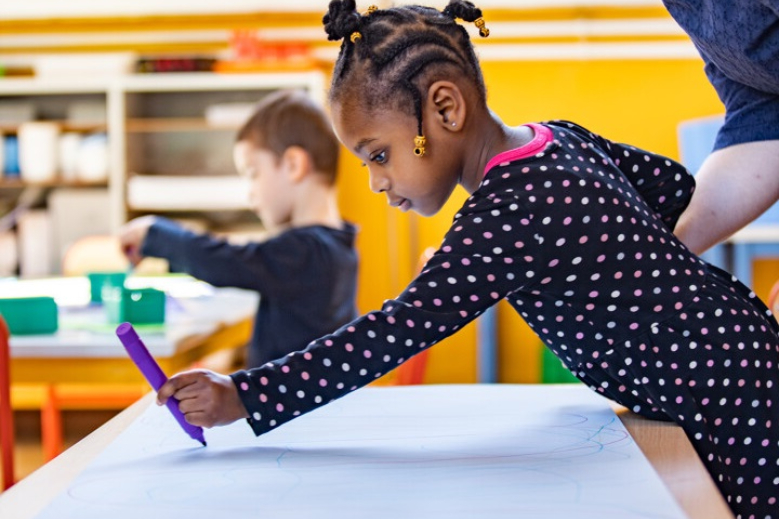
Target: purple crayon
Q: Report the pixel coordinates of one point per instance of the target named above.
(153, 373)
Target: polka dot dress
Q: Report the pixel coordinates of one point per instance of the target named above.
(574, 232)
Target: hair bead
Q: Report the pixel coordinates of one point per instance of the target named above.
(371, 9)
(419, 145)
(355, 36)
(483, 31)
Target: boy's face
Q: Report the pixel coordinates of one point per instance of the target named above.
(270, 192)
(384, 141)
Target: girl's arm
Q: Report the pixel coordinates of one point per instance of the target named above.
(665, 184)
(459, 282)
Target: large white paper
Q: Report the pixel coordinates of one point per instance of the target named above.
(448, 452)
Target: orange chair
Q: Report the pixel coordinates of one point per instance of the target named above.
(6, 413)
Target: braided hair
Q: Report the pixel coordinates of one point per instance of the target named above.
(394, 55)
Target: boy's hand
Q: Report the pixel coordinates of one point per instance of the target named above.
(205, 398)
(131, 237)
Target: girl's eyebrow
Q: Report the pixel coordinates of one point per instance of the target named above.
(362, 143)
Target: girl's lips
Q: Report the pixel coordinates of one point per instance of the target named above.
(405, 205)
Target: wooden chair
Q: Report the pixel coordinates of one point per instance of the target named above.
(6, 412)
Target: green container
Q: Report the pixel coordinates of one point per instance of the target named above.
(99, 280)
(134, 305)
(30, 315)
(553, 371)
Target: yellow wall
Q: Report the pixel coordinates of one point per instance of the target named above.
(639, 101)
(635, 101)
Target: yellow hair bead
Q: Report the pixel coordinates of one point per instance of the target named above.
(419, 145)
(483, 31)
(355, 36)
(371, 9)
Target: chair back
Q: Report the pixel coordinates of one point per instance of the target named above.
(6, 412)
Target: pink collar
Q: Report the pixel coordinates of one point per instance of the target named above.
(542, 137)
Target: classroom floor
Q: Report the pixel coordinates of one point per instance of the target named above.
(27, 426)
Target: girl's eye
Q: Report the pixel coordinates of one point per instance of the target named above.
(380, 158)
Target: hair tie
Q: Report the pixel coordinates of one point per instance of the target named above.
(419, 145)
(483, 31)
(355, 36)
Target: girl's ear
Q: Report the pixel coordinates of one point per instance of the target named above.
(296, 163)
(445, 105)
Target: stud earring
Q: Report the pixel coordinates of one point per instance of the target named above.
(454, 124)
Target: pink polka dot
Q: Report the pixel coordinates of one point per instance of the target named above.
(304, 375)
(244, 386)
(322, 382)
(263, 397)
(279, 407)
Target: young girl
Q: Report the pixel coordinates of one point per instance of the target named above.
(573, 230)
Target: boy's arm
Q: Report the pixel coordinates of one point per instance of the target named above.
(253, 266)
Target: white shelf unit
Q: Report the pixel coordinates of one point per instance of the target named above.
(148, 125)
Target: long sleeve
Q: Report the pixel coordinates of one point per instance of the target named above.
(665, 185)
(457, 285)
(278, 265)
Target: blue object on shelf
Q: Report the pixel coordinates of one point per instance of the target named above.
(11, 154)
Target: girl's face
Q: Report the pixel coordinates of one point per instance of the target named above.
(384, 141)
(269, 190)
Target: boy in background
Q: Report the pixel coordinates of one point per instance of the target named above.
(306, 269)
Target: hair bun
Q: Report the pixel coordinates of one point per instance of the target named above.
(341, 20)
(463, 10)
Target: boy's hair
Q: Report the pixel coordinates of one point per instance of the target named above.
(291, 118)
(394, 55)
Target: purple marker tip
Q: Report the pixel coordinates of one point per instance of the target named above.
(153, 373)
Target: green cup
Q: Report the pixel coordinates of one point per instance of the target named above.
(99, 280)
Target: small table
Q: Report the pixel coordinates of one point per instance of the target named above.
(200, 320)
(664, 444)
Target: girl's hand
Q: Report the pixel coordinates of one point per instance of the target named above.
(131, 237)
(205, 398)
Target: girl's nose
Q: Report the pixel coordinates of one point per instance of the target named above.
(378, 183)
